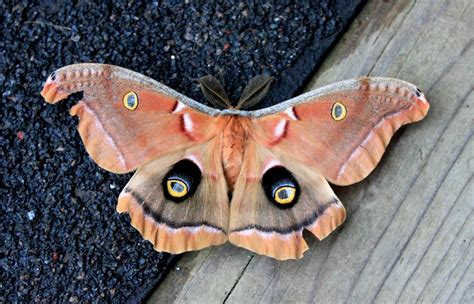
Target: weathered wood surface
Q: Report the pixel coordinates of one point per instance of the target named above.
(409, 232)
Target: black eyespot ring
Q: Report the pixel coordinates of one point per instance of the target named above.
(280, 187)
(181, 181)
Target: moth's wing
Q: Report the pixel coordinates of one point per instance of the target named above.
(345, 151)
(199, 221)
(305, 139)
(121, 138)
(262, 226)
(129, 121)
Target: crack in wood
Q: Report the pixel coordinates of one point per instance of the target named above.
(238, 279)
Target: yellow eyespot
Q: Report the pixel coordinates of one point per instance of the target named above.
(338, 111)
(176, 188)
(285, 195)
(130, 100)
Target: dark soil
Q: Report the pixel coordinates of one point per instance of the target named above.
(62, 240)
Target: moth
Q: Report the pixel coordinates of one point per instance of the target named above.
(205, 175)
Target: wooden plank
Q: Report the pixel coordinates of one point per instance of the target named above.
(189, 282)
(409, 230)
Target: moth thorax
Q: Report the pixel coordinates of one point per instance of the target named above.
(234, 137)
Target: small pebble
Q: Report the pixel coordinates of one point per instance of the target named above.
(31, 215)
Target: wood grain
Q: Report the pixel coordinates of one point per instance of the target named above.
(409, 232)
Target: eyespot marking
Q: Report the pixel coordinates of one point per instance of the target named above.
(280, 187)
(338, 111)
(177, 188)
(195, 160)
(181, 181)
(285, 195)
(130, 101)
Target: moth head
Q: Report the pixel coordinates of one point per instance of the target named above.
(181, 181)
(280, 187)
(252, 94)
(254, 91)
(214, 92)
